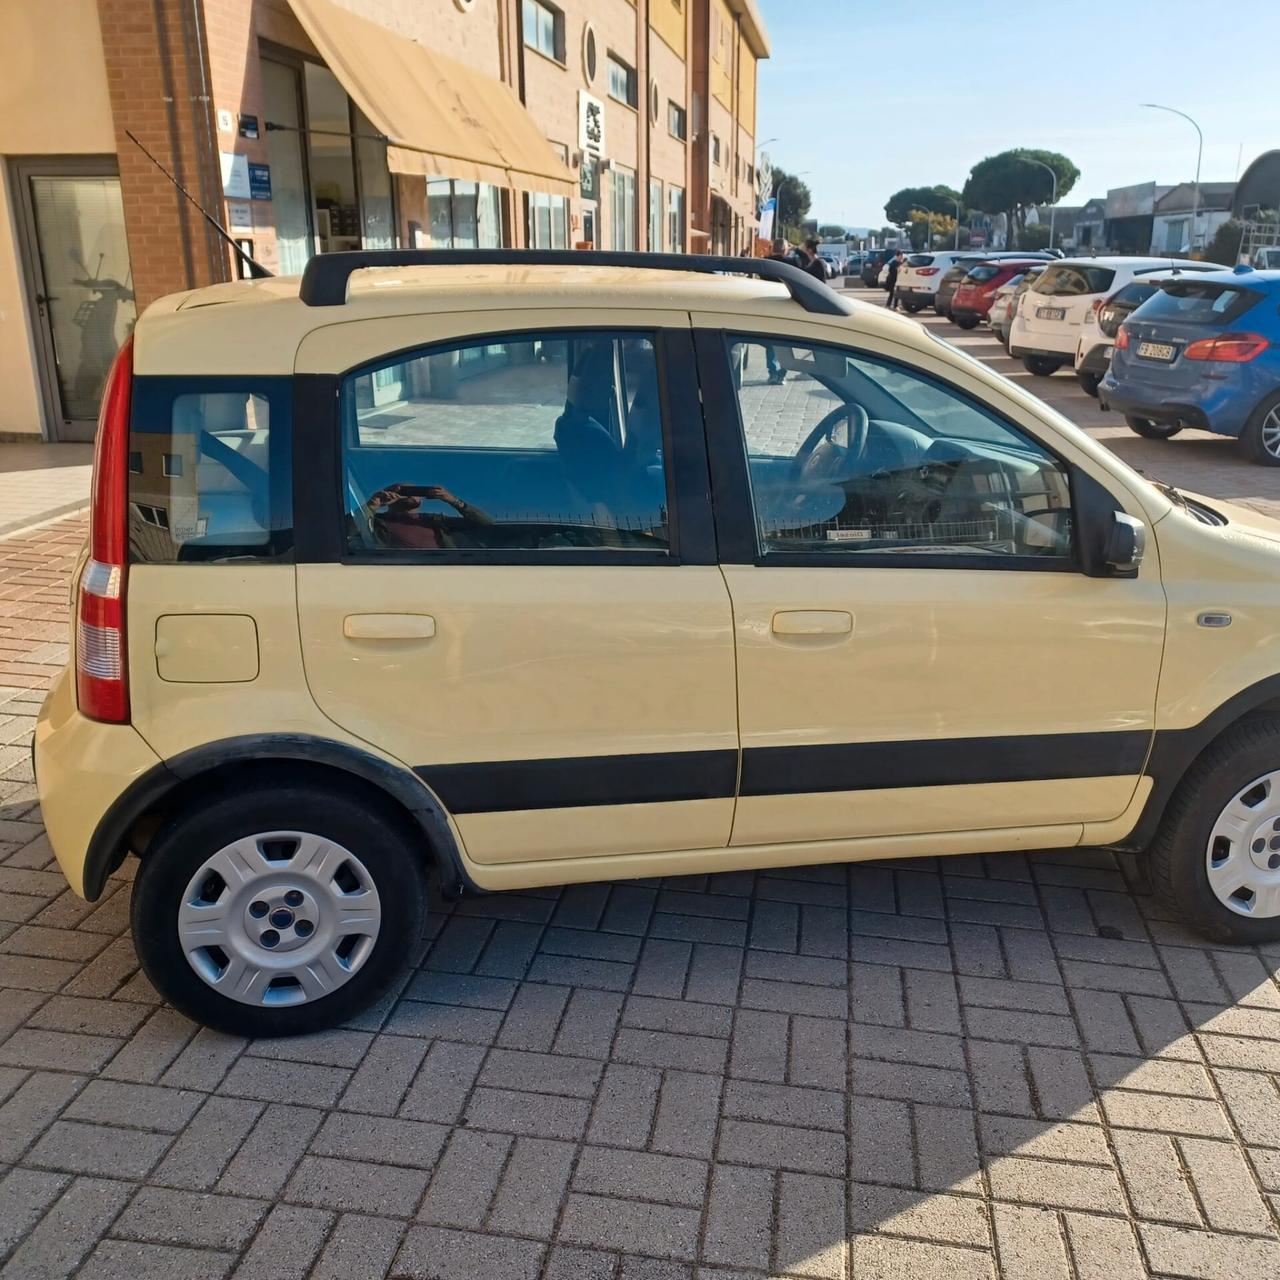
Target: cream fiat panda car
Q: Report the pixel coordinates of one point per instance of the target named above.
(520, 568)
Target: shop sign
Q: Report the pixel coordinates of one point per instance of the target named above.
(590, 124)
(239, 215)
(260, 181)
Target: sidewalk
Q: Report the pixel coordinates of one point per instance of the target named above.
(39, 481)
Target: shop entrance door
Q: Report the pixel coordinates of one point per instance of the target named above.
(78, 282)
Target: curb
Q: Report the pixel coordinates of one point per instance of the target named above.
(19, 527)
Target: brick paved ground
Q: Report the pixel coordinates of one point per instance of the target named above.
(1006, 1065)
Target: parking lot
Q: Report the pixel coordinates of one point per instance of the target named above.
(991, 1065)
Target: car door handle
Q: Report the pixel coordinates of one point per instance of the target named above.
(812, 622)
(388, 626)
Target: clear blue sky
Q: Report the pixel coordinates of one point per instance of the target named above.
(864, 94)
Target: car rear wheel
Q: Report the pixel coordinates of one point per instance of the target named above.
(278, 911)
(1149, 429)
(1042, 366)
(1089, 382)
(912, 308)
(1260, 438)
(1216, 858)
(966, 322)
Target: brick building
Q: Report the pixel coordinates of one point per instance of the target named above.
(306, 126)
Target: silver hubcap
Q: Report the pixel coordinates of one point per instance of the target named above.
(1243, 857)
(1271, 432)
(282, 917)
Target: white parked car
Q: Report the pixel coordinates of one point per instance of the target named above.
(1004, 300)
(1046, 327)
(922, 273)
(1103, 320)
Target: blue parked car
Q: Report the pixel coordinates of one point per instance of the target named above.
(1203, 351)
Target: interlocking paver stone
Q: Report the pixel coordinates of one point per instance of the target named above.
(1002, 1064)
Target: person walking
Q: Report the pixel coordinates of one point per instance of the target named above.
(891, 281)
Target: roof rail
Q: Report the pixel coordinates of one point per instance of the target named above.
(324, 282)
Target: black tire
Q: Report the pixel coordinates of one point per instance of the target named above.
(1089, 382)
(1179, 853)
(1149, 429)
(912, 308)
(384, 846)
(966, 322)
(1042, 366)
(1251, 438)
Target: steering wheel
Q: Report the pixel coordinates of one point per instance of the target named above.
(821, 457)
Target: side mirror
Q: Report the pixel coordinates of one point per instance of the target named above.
(1126, 543)
(1109, 541)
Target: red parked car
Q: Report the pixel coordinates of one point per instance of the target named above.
(972, 300)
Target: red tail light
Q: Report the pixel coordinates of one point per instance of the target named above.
(1122, 339)
(927, 271)
(1236, 348)
(1094, 307)
(102, 686)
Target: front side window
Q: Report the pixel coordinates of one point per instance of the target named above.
(848, 452)
(537, 443)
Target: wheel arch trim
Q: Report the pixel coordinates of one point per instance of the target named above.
(110, 843)
(1174, 751)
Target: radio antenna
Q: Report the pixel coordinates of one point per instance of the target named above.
(256, 269)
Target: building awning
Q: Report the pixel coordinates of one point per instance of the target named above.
(440, 118)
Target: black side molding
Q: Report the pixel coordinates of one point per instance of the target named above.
(109, 845)
(324, 281)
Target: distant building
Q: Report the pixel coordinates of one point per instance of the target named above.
(1089, 234)
(1131, 216)
(1258, 189)
(1172, 231)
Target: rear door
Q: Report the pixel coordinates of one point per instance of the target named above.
(519, 596)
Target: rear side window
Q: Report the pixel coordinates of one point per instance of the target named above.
(1134, 294)
(534, 443)
(209, 470)
(1198, 302)
(1075, 280)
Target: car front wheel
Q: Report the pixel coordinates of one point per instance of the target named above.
(1260, 438)
(1149, 429)
(965, 322)
(1042, 366)
(1216, 859)
(1089, 382)
(278, 911)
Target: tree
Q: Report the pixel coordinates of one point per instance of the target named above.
(1007, 183)
(938, 199)
(794, 199)
(1225, 245)
(1034, 237)
(829, 231)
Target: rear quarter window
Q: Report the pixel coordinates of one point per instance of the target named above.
(210, 469)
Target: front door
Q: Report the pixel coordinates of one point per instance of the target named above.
(917, 650)
(78, 281)
(526, 612)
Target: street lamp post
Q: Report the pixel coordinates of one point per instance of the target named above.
(957, 204)
(1053, 208)
(1195, 190)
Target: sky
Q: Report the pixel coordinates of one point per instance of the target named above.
(864, 95)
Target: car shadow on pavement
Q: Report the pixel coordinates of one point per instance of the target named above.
(1003, 1064)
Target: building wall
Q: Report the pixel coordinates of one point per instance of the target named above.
(40, 115)
(668, 156)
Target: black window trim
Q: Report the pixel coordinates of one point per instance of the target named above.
(320, 481)
(736, 529)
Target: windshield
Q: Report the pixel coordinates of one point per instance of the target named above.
(1074, 280)
(1198, 302)
(920, 260)
(985, 272)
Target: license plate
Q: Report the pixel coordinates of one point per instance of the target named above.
(1155, 350)
(1050, 313)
